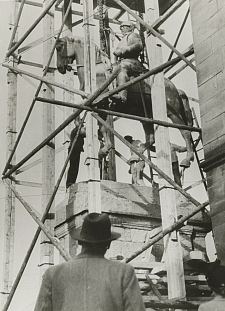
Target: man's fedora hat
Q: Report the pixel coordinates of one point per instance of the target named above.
(96, 228)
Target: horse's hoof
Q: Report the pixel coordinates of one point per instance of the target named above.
(104, 152)
(185, 163)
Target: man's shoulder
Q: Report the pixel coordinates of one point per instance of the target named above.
(133, 35)
(121, 265)
(65, 265)
(213, 305)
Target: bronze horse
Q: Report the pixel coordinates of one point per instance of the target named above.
(178, 109)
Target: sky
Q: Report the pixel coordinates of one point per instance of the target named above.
(25, 226)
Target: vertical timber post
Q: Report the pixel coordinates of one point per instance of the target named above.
(94, 195)
(9, 229)
(68, 78)
(172, 249)
(48, 152)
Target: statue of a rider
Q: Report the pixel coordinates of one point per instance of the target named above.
(126, 54)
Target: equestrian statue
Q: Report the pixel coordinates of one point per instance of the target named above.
(136, 99)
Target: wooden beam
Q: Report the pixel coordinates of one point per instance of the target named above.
(168, 13)
(182, 305)
(155, 33)
(16, 25)
(65, 123)
(48, 126)
(177, 224)
(45, 80)
(143, 157)
(142, 77)
(36, 94)
(94, 191)
(33, 184)
(68, 78)
(52, 197)
(148, 265)
(153, 287)
(126, 161)
(74, 12)
(9, 221)
(179, 33)
(43, 227)
(27, 167)
(24, 263)
(120, 114)
(172, 247)
(15, 46)
(180, 69)
(32, 64)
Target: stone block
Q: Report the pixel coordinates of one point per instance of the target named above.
(213, 108)
(221, 80)
(207, 29)
(207, 90)
(221, 4)
(215, 146)
(218, 228)
(138, 235)
(208, 10)
(203, 51)
(213, 129)
(222, 14)
(185, 240)
(115, 249)
(127, 234)
(134, 219)
(197, 5)
(129, 248)
(216, 41)
(210, 67)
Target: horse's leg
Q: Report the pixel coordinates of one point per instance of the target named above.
(187, 109)
(133, 169)
(149, 135)
(107, 142)
(188, 141)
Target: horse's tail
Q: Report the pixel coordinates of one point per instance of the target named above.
(186, 110)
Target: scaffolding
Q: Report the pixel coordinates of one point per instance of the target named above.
(92, 96)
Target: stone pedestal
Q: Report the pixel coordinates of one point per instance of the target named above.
(135, 213)
(208, 25)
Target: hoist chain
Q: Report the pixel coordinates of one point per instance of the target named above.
(101, 6)
(140, 9)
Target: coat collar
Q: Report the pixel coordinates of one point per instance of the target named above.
(89, 254)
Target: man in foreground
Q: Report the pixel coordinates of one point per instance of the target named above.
(90, 281)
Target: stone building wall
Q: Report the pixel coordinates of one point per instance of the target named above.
(208, 24)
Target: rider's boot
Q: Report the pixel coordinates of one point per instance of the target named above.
(122, 95)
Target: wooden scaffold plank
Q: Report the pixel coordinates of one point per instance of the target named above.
(172, 247)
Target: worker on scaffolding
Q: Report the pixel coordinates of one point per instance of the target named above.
(75, 153)
(175, 163)
(136, 163)
(90, 282)
(216, 281)
(126, 55)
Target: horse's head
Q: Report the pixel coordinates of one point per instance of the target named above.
(65, 55)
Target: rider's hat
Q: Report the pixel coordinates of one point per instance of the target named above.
(127, 23)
